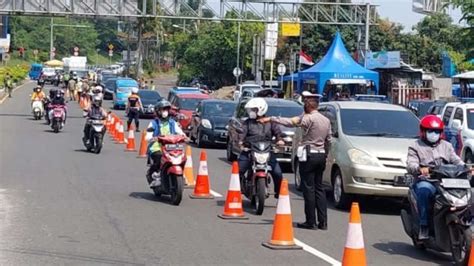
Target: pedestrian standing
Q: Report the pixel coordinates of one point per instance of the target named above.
(312, 153)
(8, 84)
(152, 85)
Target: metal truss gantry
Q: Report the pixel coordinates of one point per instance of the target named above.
(218, 10)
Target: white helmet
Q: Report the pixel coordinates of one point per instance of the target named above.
(134, 90)
(98, 88)
(257, 103)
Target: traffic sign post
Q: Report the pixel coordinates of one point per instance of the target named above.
(111, 53)
(281, 71)
(237, 72)
(76, 51)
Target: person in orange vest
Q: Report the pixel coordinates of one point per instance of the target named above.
(134, 106)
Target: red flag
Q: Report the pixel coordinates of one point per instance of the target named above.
(306, 59)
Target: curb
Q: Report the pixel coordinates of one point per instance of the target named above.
(5, 95)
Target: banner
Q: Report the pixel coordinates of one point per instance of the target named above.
(271, 40)
(383, 59)
(290, 29)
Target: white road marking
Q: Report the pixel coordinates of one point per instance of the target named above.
(14, 89)
(317, 253)
(215, 194)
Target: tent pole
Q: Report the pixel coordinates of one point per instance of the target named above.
(367, 25)
(271, 74)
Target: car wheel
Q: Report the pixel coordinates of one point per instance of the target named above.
(297, 176)
(468, 158)
(199, 140)
(229, 154)
(341, 199)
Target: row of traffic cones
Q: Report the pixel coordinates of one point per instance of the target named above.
(282, 234)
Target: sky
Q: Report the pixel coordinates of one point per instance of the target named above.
(401, 11)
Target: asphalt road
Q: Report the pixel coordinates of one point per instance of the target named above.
(60, 205)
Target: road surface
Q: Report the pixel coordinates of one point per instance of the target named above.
(60, 205)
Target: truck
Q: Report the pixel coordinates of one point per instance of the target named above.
(75, 63)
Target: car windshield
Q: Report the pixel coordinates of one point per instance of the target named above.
(149, 95)
(379, 123)
(189, 103)
(219, 109)
(124, 89)
(470, 118)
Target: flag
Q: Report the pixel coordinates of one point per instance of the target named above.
(306, 59)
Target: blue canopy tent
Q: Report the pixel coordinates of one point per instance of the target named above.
(337, 67)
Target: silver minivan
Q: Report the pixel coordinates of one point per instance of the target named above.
(368, 149)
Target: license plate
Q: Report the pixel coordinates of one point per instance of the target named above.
(455, 183)
(174, 147)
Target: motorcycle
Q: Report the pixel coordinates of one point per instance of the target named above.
(450, 218)
(37, 109)
(95, 136)
(255, 183)
(41, 81)
(170, 180)
(57, 121)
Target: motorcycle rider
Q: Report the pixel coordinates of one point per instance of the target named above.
(58, 100)
(38, 94)
(134, 105)
(94, 111)
(161, 125)
(429, 150)
(253, 131)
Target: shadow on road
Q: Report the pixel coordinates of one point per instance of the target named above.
(150, 197)
(223, 159)
(16, 115)
(78, 258)
(407, 250)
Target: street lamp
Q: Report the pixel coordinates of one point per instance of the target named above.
(180, 27)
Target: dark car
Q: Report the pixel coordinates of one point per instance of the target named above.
(436, 108)
(276, 107)
(149, 100)
(420, 107)
(109, 88)
(209, 121)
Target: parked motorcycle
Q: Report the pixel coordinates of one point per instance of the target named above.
(95, 136)
(450, 218)
(255, 183)
(37, 109)
(170, 180)
(58, 115)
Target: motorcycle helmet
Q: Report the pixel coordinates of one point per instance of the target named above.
(161, 106)
(97, 101)
(431, 129)
(256, 107)
(134, 90)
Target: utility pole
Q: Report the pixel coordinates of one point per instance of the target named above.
(367, 26)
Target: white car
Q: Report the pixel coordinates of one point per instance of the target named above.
(459, 129)
(241, 87)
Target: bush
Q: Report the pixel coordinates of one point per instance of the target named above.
(17, 72)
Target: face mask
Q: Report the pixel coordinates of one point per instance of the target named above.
(164, 114)
(252, 115)
(432, 137)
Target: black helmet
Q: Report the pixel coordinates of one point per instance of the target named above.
(162, 104)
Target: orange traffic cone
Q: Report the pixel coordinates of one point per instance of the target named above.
(188, 169)
(107, 122)
(471, 255)
(354, 251)
(131, 140)
(115, 128)
(282, 235)
(202, 189)
(233, 204)
(143, 146)
(120, 135)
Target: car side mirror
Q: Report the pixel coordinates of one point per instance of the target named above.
(457, 124)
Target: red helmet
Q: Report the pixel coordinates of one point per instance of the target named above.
(431, 122)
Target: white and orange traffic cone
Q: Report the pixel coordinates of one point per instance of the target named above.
(120, 135)
(188, 169)
(354, 250)
(202, 189)
(233, 204)
(471, 255)
(282, 235)
(111, 128)
(143, 146)
(131, 140)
